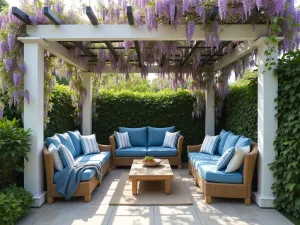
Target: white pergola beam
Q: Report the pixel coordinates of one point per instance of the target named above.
(104, 32)
(56, 49)
(240, 51)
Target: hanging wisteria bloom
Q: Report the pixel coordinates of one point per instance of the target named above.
(3, 47)
(11, 40)
(22, 67)
(17, 79)
(8, 64)
(151, 19)
(1, 110)
(190, 31)
(223, 8)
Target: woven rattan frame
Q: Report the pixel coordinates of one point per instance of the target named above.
(223, 190)
(127, 161)
(84, 189)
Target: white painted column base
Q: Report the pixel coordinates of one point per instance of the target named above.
(263, 201)
(38, 201)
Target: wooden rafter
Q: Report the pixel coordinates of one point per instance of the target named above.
(21, 15)
(52, 16)
(136, 43)
(222, 45)
(190, 53)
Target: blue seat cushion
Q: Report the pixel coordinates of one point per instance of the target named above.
(243, 141)
(209, 172)
(231, 141)
(137, 136)
(53, 140)
(199, 158)
(75, 138)
(156, 135)
(86, 175)
(223, 136)
(66, 141)
(100, 158)
(131, 152)
(161, 152)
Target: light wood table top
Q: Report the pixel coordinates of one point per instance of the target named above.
(138, 170)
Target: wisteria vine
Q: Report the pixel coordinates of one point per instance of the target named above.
(282, 16)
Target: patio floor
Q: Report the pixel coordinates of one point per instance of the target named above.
(98, 211)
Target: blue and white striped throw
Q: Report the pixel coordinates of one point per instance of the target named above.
(123, 140)
(210, 144)
(89, 144)
(170, 139)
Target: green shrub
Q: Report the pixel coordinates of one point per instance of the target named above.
(14, 203)
(62, 116)
(14, 146)
(241, 106)
(286, 167)
(161, 109)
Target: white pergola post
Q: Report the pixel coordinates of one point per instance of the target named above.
(87, 106)
(210, 108)
(34, 120)
(267, 125)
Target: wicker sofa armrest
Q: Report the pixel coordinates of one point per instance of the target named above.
(104, 148)
(179, 145)
(49, 167)
(193, 148)
(113, 144)
(249, 164)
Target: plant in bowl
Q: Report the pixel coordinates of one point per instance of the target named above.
(149, 159)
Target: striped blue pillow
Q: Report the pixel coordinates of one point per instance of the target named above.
(170, 139)
(56, 158)
(123, 140)
(89, 144)
(210, 144)
(65, 156)
(225, 159)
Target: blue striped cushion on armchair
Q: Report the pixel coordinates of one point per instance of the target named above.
(210, 144)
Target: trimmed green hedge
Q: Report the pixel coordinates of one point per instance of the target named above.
(286, 167)
(240, 113)
(62, 116)
(133, 109)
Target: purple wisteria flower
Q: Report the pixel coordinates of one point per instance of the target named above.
(3, 86)
(1, 111)
(17, 78)
(151, 19)
(190, 31)
(3, 47)
(117, 11)
(8, 64)
(223, 8)
(22, 67)
(11, 40)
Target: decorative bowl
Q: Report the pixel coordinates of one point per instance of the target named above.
(153, 163)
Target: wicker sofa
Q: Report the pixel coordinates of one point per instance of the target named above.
(140, 152)
(210, 189)
(84, 189)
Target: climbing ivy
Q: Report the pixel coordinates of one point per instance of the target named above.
(286, 167)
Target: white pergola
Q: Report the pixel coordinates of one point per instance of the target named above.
(46, 37)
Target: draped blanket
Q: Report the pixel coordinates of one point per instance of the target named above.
(68, 179)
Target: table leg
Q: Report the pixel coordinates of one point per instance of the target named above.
(167, 186)
(134, 186)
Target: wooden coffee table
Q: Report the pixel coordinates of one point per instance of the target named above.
(139, 172)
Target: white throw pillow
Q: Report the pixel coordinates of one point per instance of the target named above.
(238, 159)
(89, 144)
(56, 159)
(170, 139)
(210, 144)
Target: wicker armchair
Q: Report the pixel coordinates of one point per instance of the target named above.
(225, 190)
(127, 161)
(84, 189)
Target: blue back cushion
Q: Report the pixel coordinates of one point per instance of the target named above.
(243, 141)
(75, 137)
(137, 136)
(223, 135)
(53, 140)
(231, 141)
(66, 141)
(156, 135)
